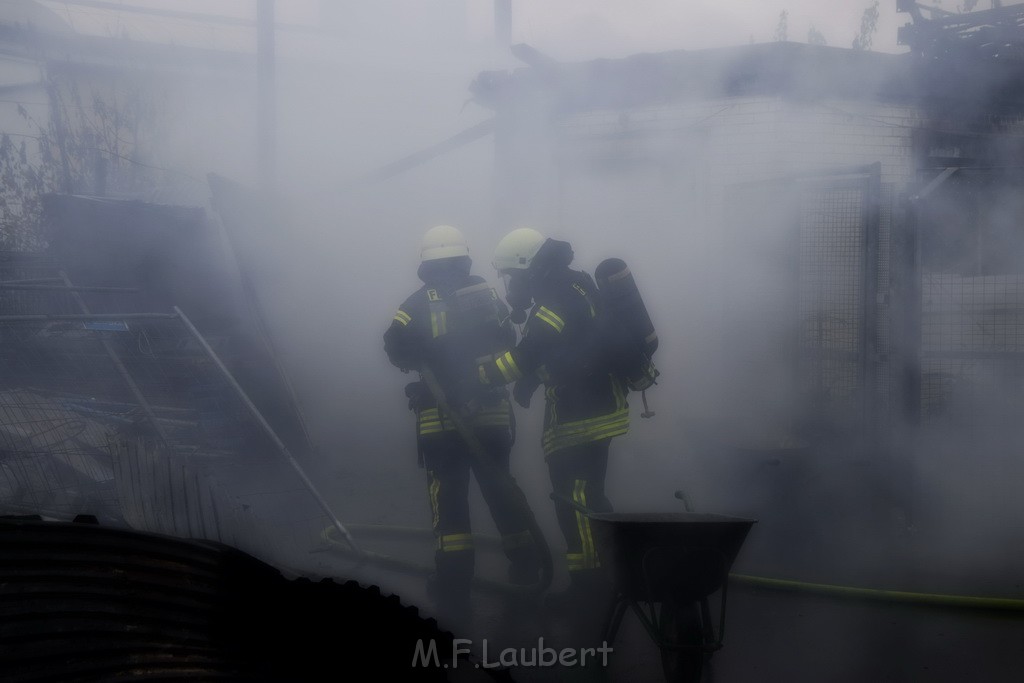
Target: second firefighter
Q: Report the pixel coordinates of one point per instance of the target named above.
(564, 347)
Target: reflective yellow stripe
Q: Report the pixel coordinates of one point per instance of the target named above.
(551, 318)
(453, 542)
(579, 432)
(580, 498)
(508, 368)
(402, 317)
(579, 495)
(492, 421)
(430, 422)
(575, 561)
(433, 489)
(551, 404)
(499, 415)
(435, 428)
(439, 323)
(590, 424)
(620, 394)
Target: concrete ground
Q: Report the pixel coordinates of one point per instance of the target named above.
(771, 635)
(846, 525)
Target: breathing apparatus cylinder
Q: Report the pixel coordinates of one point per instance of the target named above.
(622, 298)
(634, 337)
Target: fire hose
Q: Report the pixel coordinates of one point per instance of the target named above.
(878, 594)
(932, 599)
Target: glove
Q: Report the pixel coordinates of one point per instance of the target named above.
(401, 351)
(417, 394)
(523, 390)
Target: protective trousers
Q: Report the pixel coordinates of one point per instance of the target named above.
(577, 479)
(449, 463)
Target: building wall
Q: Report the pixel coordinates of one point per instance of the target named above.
(655, 186)
(658, 186)
(750, 138)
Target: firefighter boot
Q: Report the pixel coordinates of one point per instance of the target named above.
(586, 599)
(449, 589)
(524, 566)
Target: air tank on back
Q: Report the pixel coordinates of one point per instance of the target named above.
(625, 305)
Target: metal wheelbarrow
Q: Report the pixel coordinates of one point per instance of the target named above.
(665, 566)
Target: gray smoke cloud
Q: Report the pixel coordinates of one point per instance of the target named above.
(857, 396)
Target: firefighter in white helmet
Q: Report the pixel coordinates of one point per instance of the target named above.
(449, 325)
(585, 406)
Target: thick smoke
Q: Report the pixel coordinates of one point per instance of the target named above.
(872, 430)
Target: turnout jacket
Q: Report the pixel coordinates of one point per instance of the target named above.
(563, 347)
(454, 322)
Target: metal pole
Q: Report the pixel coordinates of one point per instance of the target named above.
(503, 22)
(35, 317)
(33, 281)
(65, 288)
(57, 115)
(266, 427)
(266, 114)
(869, 333)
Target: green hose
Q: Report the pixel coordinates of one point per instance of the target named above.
(847, 592)
(852, 592)
(934, 599)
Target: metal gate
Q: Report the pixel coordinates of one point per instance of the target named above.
(814, 261)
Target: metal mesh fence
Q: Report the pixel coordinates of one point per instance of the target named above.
(972, 302)
(831, 305)
(887, 301)
(31, 284)
(820, 263)
(972, 349)
(127, 417)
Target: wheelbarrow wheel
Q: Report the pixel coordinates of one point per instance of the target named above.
(682, 636)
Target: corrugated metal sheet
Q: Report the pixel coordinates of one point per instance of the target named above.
(82, 602)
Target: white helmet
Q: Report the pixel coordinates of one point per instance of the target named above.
(516, 250)
(443, 241)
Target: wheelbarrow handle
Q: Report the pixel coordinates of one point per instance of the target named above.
(681, 495)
